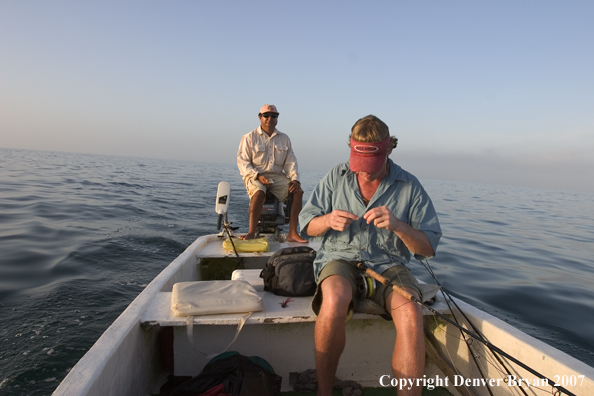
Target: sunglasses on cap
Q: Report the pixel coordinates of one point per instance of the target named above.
(266, 115)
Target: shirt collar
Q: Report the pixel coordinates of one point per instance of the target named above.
(396, 172)
(261, 132)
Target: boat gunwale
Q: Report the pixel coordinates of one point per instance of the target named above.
(84, 375)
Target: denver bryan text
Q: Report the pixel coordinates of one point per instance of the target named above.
(431, 382)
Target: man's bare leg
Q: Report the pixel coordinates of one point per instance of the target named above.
(296, 206)
(408, 359)
(256, 203)
(330, 337)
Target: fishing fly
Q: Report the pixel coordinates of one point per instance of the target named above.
(285, 303)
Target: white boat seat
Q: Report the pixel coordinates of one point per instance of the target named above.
(298, 308)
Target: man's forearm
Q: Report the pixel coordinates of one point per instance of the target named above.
(416, 241)
(317, 226)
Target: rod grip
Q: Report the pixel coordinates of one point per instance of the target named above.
(385, 281)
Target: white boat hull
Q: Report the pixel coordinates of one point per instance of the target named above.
(128, 359)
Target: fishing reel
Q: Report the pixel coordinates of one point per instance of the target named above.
(366, 286)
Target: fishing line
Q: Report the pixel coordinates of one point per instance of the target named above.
(486, 358)
(492, 348)
(473, 354)
(448, 298)
(474, 358)
(474, 335)
(466, 340)
(451, 360)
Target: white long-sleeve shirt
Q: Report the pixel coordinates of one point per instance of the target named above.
(259, 153)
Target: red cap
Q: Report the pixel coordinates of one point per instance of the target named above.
(368, 157)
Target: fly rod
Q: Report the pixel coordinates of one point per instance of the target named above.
(472, 334)
(446, 297)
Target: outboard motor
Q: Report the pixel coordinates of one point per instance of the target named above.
(274, 215)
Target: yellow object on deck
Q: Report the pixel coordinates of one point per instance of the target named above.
(249, 246)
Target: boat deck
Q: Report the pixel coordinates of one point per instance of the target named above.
(214, 248)
(292, 325)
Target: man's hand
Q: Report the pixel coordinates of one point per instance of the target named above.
(340, 220)
(263, 180)
(294, 186)
(416, 241)
(382, 218)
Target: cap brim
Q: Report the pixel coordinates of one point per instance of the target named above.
(368, 157)
(370, 164)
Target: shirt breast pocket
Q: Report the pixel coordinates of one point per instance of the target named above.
(389, 243)
(280, 154)
(259, 154)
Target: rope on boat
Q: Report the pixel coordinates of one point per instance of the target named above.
(472, 334)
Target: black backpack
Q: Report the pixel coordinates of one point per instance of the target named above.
(238, 375)
(289, 272)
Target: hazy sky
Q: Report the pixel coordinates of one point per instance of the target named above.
(497, 92)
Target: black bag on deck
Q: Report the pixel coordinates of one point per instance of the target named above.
(289, 272)
(234, 374)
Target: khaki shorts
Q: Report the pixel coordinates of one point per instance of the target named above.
(280, 187)
(399, 275)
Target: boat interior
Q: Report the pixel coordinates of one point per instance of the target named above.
(282, 333)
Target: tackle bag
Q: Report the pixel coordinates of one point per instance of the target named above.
(289, 272)
(233, 374)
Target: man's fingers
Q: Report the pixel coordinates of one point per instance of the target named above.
(294, 187)
(371, 216)
(345, 214)
(376, 213)
(341, 219)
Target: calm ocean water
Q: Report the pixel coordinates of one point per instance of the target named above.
(81, 235)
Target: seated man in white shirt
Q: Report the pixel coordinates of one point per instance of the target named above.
(266, 162)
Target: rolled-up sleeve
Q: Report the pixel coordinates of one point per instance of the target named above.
(318, 204)
(244, 159)
(424, 218)
(290, 166)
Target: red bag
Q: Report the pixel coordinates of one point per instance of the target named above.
(218, 390)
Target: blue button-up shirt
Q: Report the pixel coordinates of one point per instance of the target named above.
(379, 248)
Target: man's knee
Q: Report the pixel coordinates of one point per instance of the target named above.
(258, 196)
(336, 293)
(403, 307)
(405, 313)
(411, 309)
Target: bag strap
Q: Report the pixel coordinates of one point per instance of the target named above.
(289, 250)
(190, 333)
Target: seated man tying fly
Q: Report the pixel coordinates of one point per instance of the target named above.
(266, 162)
(369, 210)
